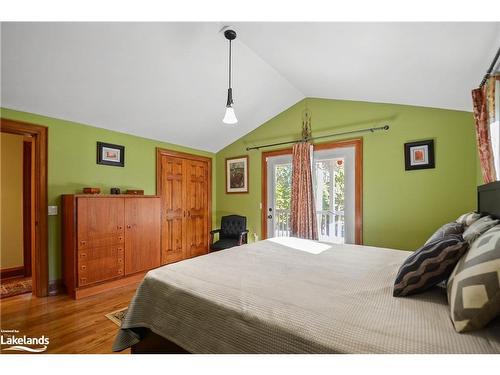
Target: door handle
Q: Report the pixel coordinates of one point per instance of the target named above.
(269, 216)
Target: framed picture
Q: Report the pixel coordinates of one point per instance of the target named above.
(109, 154)
(419, 155)
(237, 175)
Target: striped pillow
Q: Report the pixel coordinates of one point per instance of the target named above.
(468, 218)
(474, 286)
(445, 230)
(429, 265)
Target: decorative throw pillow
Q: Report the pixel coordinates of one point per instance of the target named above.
(479, 227)
(429, 265)
(474, 286)
(468, 218)
(445, 230)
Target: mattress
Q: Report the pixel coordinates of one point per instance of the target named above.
(290, 295)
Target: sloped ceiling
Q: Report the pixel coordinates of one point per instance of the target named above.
(168, 81)
(422, 64)
(165, 81)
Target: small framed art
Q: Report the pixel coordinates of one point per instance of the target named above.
(109, 154)
(419, 155)
(237, 175)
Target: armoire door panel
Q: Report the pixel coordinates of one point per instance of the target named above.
(173, 213)
(142, 234)
(100, 222)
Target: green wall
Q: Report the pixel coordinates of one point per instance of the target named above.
(72, 166)
(400, 209)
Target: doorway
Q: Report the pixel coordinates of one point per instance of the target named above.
(33, 208)
(337, 183)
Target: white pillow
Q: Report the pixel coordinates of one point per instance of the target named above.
(468, 218)
(479, 227)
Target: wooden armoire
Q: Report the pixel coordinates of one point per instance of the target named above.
(184, 185)
(108, 241)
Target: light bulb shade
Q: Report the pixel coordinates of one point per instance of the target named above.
(229, 117)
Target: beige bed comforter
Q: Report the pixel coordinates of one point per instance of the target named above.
(295, 296)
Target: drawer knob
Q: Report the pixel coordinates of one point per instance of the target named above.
(83, 255)
(83, 242)
(129, 226)
(83, 268)
(120, 227)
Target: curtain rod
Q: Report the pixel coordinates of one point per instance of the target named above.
(385, 127)
(490, 69)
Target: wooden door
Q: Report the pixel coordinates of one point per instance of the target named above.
(172, 190)
(100, 222)
(196, 207)
(142, 234)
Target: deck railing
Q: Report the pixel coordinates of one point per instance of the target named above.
(330, 224)
(282, 223)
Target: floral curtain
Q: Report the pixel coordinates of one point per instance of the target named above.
(480, 99)
(303, 213)
(490, 97)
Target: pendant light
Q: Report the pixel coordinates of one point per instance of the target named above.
(230, 117)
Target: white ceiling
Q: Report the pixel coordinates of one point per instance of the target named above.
(422, 64)
(168, 81)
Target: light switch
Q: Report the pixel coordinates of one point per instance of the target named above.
(52, 210)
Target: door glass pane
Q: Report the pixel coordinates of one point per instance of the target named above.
(330, 191)
(282, 199)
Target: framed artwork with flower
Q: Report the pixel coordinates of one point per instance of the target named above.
(419, 155)
(237, 175)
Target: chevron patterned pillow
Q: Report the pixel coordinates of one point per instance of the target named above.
(429, 265)
(474, 285)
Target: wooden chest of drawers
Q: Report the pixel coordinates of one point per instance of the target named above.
(108, 241)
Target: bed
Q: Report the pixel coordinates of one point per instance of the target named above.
(290, 295)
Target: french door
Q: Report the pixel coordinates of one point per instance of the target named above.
(337, 186)
(279, 194)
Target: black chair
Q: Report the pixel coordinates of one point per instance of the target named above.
(233, 232)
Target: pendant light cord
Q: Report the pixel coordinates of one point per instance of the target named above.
(230, 64)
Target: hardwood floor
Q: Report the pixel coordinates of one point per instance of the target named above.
(72, 326)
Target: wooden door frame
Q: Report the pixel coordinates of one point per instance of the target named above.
(28, 207)
(178, 154)
(357, 143)
(40, 269)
